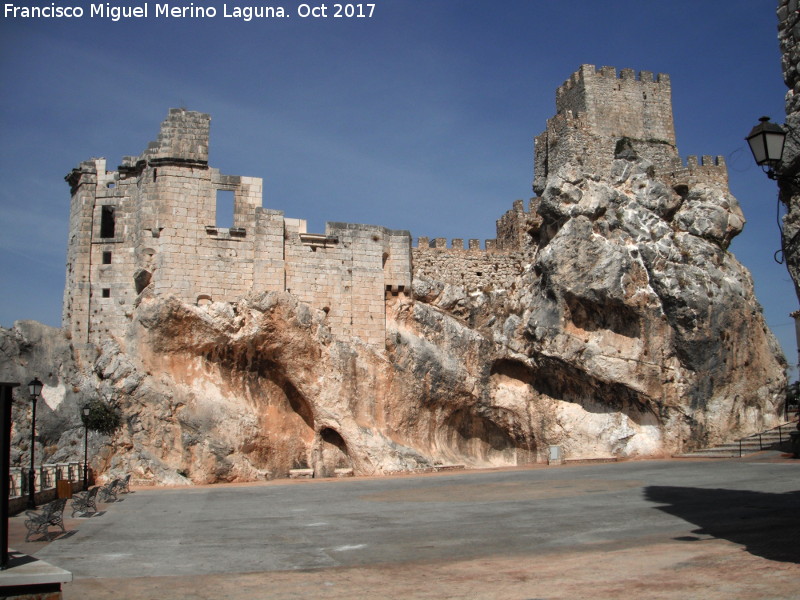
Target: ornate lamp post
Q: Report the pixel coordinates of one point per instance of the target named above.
(85, 410)
(35, 388)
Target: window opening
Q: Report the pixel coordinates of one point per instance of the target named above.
(107, 224)
(106, 292)
(106, 258)
(225, 207)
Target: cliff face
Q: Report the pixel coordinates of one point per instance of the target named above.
(789, 39)
(631, 332)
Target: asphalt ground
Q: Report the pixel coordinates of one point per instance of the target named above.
(640, 529)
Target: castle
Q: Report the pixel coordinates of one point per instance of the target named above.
(152, 225)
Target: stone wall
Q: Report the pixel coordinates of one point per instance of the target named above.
(709, 169)
(345, 273)
(789, 39)
(472, 268)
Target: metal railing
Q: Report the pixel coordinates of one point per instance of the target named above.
(46, 477)
(761, 439)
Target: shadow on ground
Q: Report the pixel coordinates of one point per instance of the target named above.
(766, 524)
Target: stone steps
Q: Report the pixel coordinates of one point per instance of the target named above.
(766, 440)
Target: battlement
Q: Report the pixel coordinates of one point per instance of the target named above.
(515, 232)
(456, 244)
(709, 170)
(585, 72)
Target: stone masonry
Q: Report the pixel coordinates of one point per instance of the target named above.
(151, 226)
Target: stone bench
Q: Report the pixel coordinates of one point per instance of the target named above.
(301, 473)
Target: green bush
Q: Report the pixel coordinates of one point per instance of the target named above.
(793, 394)
(102, 417)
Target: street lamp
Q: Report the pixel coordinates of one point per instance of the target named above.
(766, 141)
(86, 410)
(35, 388)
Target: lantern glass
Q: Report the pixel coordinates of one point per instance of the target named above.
(774, 144)
(766, 143)
(35, 387)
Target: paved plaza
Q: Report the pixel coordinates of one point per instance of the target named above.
(644, 529)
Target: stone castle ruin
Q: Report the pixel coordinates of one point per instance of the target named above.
(152, 223)
(607, 317)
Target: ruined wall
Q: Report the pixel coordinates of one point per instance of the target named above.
(345, 273)
(153, 225)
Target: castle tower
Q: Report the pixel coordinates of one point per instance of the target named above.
(154, 222)
(596, 110)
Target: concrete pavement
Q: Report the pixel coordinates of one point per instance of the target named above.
(659, 529)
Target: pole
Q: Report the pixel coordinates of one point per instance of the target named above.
(85, 456)
(796, 316)
(5, 465)
(32, 474)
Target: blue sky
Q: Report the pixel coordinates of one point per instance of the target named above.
(420, 118)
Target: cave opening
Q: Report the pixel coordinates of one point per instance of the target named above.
(476, 439)
(333, 453)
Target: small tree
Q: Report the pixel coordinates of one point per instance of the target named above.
(102, 417)
(793, 396)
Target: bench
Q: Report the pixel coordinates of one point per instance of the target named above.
(82, 502)
(51, 514)
(109, 491)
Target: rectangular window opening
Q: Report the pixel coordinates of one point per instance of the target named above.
(225, 209)
(106, 258)
(106, 292)
(107, 224)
